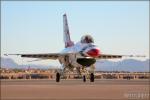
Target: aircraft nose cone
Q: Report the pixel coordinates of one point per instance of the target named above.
(94, 52)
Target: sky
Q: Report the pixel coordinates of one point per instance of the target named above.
(118, 27)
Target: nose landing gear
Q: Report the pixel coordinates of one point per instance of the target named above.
(91, 77)
(84, 78)
(85, 72)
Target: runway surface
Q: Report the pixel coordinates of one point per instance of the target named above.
(74, 90)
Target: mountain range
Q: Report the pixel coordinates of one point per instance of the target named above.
(130, 65)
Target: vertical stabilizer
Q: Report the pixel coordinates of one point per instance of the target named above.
(67, 40)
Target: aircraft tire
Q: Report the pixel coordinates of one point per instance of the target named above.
(57, 77)
(91, 77)
(84, 78)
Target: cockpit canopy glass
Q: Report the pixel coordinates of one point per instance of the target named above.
(87, 39)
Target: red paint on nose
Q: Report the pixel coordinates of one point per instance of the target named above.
(94, 52)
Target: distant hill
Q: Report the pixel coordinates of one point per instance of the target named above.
(103, 65)
(131, 65)
(9, 63)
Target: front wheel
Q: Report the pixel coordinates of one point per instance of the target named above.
(84, 78)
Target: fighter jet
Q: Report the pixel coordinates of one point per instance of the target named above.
(78, 56)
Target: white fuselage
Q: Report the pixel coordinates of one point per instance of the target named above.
(79, 50)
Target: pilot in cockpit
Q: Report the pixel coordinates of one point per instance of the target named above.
(87, 39)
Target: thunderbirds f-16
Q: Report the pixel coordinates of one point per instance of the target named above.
(78, 56)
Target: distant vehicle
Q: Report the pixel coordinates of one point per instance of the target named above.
(79, 56)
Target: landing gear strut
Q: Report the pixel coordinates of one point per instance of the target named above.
(91, 77)
(57, 77)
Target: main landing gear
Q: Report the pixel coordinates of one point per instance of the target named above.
(57, 77)
(84, 77)
(84, 73)
(92, 77)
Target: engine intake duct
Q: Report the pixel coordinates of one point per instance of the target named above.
(86, 61)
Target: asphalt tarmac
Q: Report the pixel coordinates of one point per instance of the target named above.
(75, 90)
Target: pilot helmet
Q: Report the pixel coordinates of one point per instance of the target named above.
(87, 39)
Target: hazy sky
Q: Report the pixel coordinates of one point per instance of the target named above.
(36, 27)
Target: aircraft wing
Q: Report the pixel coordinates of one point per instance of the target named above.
(42, 56)
(55, 56)
(109, 56)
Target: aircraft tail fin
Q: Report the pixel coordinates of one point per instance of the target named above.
(67, 40)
